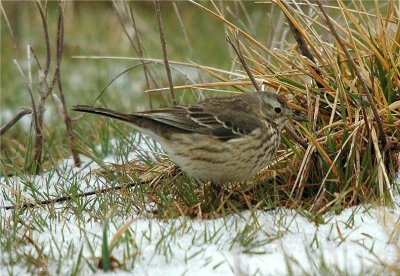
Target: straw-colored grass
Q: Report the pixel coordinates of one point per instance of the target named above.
(347, 160)
(346, 84)
(342, 74)
(348, 87)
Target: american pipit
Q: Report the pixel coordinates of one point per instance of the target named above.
(226, 139)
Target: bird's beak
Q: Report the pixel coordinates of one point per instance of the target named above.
(299, 118)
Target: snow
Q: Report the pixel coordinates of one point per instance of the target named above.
(358, 240)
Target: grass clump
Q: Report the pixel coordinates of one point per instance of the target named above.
(342, 74)
(345, 155)
(348, 87)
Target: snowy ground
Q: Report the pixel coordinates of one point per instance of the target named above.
(360, 240)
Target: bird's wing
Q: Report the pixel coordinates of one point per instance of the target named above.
(224, 123)
(219, 119)
(176, 117)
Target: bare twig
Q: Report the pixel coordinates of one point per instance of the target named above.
(305, 51)
(146, 71)
(44, 92)
(121, 19)
(293, 134)
(29, 86)
(35, 56)
(43, 16)
(138, 48)
(357, 72)
(22, 113)
(37, 158)
(67, 118)
(164, 49)
(67, 198)
(236, 47)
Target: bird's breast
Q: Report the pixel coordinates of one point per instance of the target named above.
(234, 160)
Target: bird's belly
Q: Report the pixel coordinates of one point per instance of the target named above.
(235, 160)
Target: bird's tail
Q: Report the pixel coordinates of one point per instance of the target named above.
(130, 118)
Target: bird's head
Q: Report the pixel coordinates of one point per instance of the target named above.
(276, 110)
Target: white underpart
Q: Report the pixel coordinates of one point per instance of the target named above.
(225, 162)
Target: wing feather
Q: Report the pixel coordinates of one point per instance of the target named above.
(218, 119)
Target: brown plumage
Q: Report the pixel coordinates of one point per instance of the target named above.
(226, 139)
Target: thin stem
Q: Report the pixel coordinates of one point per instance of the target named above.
(67, 198)
(13, 121)
(164, 49)
(236, 47)
(67, 118)
(357, 72)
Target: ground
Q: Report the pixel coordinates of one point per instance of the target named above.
(60, 239)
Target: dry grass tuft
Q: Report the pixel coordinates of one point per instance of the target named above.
(347, 86)
(340, 69)
(342, 73)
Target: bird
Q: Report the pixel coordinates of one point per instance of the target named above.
(219, 139)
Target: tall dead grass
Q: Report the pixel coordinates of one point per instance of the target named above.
(343, 73)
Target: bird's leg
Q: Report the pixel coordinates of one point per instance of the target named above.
(212, 191)
(211, 194)
(217, 188)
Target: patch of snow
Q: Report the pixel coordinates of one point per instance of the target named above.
(354, 241)
(140, 146)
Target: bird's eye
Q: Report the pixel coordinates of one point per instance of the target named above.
(278, 109)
